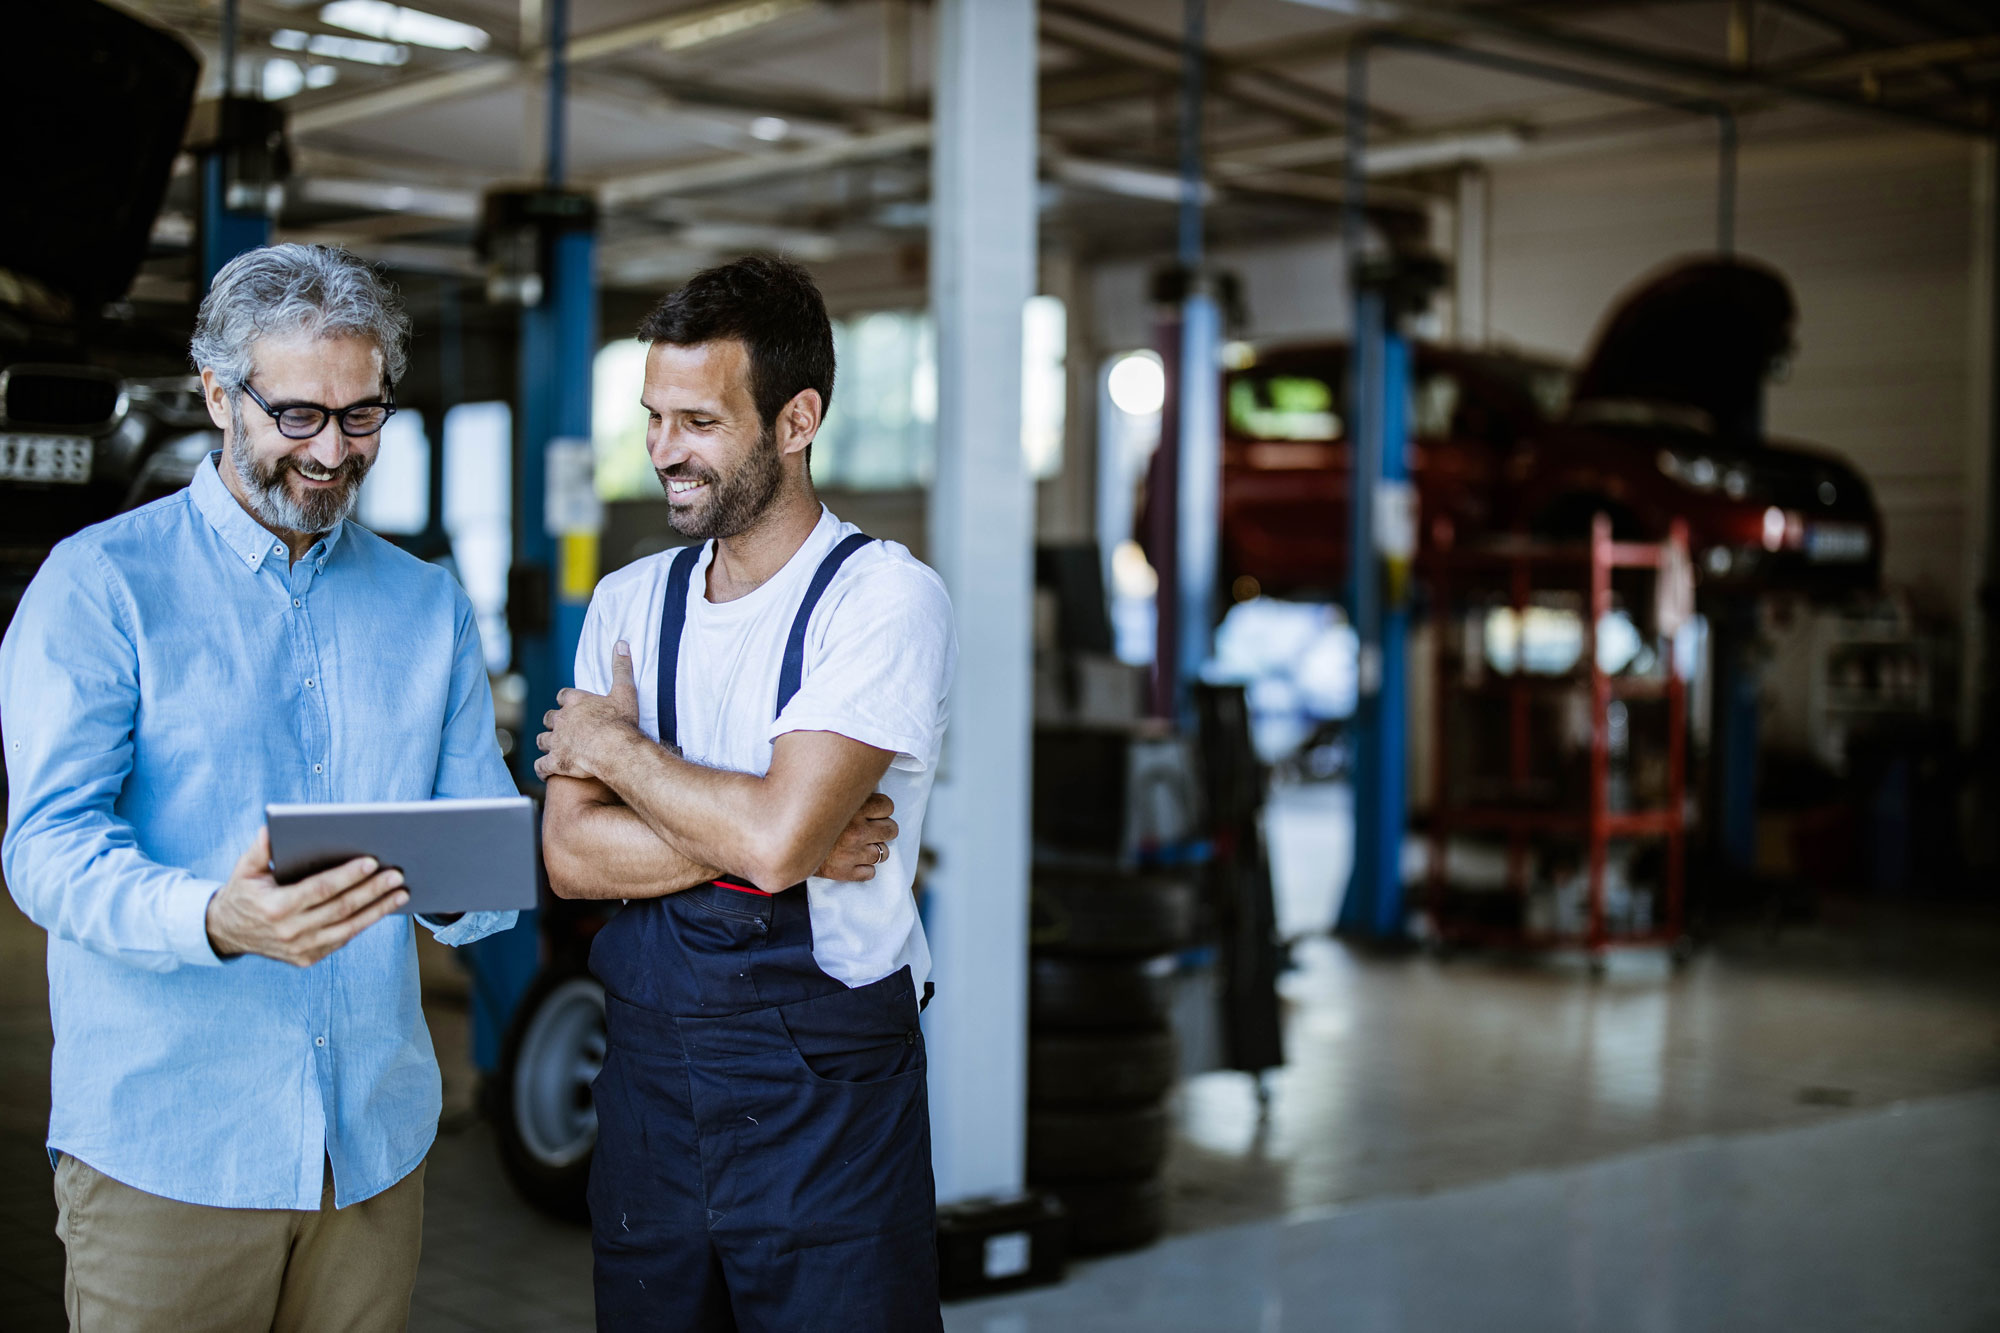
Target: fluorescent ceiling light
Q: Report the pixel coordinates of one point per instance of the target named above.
(1443, 151)
(330, 47)
(1117, 178)
(720, 21)
(394, 196)
(281, 79)
(769, 128)
(396, 23)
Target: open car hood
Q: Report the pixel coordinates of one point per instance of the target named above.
(104, 99)
(1694, 345)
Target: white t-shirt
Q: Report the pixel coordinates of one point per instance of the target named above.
(880, 652)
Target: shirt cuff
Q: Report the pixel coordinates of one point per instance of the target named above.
(472, 926)
(187, 923)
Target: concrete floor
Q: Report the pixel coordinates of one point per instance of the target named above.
(1790, 1133)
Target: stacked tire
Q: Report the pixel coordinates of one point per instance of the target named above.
(1101, 1051)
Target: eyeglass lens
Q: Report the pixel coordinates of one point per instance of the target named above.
(300, 423)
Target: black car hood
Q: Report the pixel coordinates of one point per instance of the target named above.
(1695, 343)
(101, 100)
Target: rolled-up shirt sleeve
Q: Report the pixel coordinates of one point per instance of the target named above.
(69, 692)
(469, 760)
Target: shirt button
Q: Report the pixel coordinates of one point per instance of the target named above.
(309, 682)
(277, 550)
(296, 602)
(317, 768)
(319, 1041)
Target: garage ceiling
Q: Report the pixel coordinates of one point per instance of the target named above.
(801, 124)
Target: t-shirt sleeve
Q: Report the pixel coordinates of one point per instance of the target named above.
(593, 647)
(880, 670)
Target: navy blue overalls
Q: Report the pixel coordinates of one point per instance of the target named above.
(763, 1154)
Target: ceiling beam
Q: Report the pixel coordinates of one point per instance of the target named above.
(1511, 26)
(488, 74)
(1079, 26)
(739, 169)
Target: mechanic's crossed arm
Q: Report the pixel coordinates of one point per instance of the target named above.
(618, 800)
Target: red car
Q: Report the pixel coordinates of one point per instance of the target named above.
(1662, 423)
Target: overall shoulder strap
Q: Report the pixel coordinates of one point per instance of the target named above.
(792, 674)
(673, 618)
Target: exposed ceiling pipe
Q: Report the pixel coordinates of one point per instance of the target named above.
(1723, 114)
(1511, 25)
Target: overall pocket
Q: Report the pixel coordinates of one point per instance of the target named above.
(868, 1034)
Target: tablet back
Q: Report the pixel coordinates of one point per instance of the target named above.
(455, 855)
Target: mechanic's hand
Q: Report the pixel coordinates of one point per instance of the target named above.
(863, 844)
(584, 724)
(298, 923)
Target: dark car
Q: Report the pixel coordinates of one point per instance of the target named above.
(1663, 423)
(92, 400)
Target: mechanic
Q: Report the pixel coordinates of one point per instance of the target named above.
(763, 1152)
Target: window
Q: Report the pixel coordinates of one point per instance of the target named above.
(618, 423)
(478, 513)
(397, 495)
(881, 433)
(1282, 407)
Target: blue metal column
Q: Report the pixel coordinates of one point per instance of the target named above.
(224, 232)
(1198, 389)
(234, 216)
(558, 343)
(544, 242)
(1378, 432)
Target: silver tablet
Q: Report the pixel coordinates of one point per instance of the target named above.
(455, 855)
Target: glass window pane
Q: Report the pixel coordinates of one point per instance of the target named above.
(396, 497)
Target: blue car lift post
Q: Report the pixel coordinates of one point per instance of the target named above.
(1382, 530)
(541, 246)
(239, 149)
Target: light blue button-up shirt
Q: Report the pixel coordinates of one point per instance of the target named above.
(168, 673)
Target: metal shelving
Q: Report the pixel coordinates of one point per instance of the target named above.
(1520, 570)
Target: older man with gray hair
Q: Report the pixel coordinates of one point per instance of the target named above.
(244, 1090)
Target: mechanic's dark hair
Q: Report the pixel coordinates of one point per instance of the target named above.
(771, 305)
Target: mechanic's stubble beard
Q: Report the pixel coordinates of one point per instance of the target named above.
(272, 500)
(735, 502)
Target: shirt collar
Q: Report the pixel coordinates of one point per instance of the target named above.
(252, 541)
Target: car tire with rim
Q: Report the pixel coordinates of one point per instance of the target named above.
(545, 1116)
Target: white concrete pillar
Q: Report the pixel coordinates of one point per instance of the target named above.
(982, 541)
(1468, 257)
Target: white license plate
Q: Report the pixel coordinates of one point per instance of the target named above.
(44, 458)
(1837, 541)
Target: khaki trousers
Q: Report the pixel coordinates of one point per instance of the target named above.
(139, 1263)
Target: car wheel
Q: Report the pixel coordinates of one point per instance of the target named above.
(1097, 1070)
(1112, 913)
(1113, 1215)
(1098, 994)
(547, 1119)
(1122, 1144)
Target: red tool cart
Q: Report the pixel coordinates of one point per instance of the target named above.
(1574, 776)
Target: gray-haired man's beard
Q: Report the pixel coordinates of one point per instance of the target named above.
(736, 501)
(272, 501)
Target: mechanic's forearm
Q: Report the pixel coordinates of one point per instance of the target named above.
(732, 820)
(596, 849)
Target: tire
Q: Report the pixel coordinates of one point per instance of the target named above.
(1088, 994)
(543, 1112)
(1065, 1147)
(1122, 914)
(1100, 1070)
(1113, 1215)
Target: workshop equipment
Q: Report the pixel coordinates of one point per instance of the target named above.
(1529, 803)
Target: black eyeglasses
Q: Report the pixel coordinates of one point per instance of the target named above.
(302, 421)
